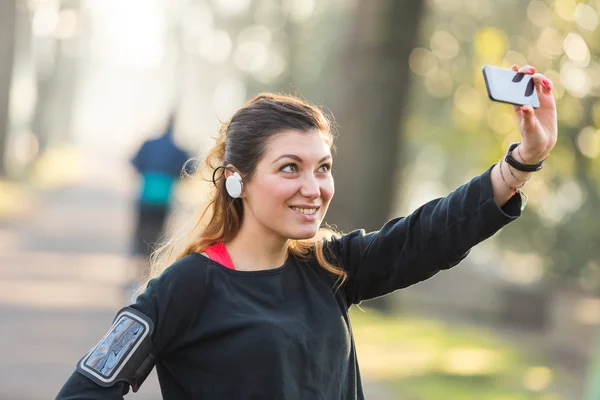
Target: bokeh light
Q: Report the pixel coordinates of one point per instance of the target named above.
(422, 61)
(215, 46)
(550, 43)
(588, 142)
(565, 9)
(439, 83)
(537, 378)
(491, 44)
(576, 49)
(539, 14)
(586, 17)
(444, 45)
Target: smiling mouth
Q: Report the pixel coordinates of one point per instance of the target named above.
(305, 211)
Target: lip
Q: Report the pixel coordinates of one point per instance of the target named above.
(305, 217)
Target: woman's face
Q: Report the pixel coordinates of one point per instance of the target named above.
(292, 187)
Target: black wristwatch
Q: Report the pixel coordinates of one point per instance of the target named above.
(519, 166)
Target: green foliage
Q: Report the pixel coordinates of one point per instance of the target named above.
(451, 112)
(426, 359)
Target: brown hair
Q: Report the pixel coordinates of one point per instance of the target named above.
(242, 142)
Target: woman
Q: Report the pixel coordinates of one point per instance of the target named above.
(256, 306)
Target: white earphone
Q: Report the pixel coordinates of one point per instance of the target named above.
(234, 185)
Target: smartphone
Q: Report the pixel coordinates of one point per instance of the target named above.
(508, 86)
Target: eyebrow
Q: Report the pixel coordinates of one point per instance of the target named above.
(295, 157)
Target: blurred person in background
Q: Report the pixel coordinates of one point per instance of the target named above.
(256, 305)
(159, 163)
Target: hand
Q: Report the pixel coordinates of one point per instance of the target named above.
(539, 128)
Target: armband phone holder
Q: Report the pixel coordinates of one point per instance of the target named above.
(124, 353)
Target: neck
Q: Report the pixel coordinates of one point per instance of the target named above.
(248, 253)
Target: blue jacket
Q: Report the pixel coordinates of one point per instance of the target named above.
(159, 162)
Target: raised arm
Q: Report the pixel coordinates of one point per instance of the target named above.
(436, 236)
(440, 234)
(539, 133)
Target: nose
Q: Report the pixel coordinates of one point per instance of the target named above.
(311, 189)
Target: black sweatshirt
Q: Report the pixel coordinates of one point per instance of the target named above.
(284, 333)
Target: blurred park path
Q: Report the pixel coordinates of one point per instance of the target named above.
(63, 267)
(63, 273)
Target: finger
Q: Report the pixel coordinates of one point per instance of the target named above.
(515, 67)
(527, 69)
(542, 83)
(544, 86)
(528, 118)
(518, 112)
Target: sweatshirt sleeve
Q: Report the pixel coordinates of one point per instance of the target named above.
(436, 236)
(167, 301)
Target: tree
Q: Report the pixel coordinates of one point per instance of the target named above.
(371, 92)
(8, 11)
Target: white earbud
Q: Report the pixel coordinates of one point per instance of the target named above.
(234, 185)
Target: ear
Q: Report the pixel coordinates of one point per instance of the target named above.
(230, 170)
(227, 171)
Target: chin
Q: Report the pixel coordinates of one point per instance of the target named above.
(302, 234)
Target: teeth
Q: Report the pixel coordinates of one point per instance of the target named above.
(307, 211)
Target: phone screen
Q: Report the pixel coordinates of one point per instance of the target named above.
(508, 86)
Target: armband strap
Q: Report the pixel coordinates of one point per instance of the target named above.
(124, 353)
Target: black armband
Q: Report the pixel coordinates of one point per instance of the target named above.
(123, 354)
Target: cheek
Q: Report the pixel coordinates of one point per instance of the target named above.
(328, 189)
(277, 190)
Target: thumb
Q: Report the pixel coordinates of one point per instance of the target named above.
(528, 119)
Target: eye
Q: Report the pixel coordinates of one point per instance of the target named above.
(325, 168)
(289, 168)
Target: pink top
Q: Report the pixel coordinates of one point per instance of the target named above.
(218, 252)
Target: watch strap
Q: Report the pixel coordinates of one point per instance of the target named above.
(510, 160)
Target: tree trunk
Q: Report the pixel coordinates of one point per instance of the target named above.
(371, 94)
(8, 11)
